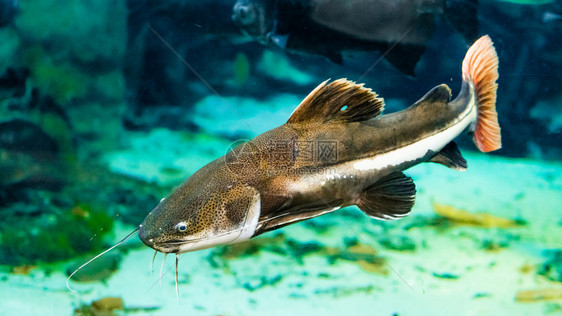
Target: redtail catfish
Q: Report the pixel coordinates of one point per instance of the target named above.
(335, 150)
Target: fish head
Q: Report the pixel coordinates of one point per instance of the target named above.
(254, 17)
(194, 218)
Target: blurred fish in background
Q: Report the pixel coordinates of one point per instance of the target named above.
(399, 29)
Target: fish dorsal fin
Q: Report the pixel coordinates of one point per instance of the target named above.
(341, 100)
(439, 94)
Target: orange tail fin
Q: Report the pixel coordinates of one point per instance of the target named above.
(480, 66)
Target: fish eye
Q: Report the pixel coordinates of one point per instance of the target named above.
(181, 227)
(243, 11)
(246, 14)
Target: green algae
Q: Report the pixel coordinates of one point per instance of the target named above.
(56, 127)
(98, 270)
(364, 256)
(241, 69)
(109, 85)
(98, 35)
(60, 80)
(278, 66)
(57, 237)
(8, 49)
(345, 291)
(398, 242)
(72, 58)
(552, 267)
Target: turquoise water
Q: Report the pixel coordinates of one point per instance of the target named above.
(107, 106)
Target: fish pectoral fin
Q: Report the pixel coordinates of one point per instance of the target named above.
(278, 40)
(296, 214)
(341, 100)
(450, 156)
(392, 197)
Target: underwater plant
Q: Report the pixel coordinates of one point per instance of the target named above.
(74, 231)
(241, 69)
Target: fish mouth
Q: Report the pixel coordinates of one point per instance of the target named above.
(179, 246)
(173, 242)
(169, 246)
(173, 246)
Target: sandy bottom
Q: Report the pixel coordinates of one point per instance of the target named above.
(449, 272)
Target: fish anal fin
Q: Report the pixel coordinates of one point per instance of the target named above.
(450, 156)
(391, 197)
(341, 100)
